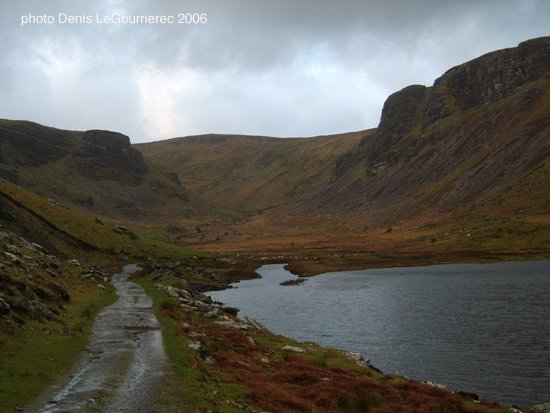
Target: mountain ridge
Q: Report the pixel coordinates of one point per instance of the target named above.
(460, 150)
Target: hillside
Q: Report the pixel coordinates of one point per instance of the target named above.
(475, 134)
(96, 172)
(246, 175)
(460, 168)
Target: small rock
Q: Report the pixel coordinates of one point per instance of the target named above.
(209, 361)
(74, 262)
(100, 286)
(254, 322)
(4, 307)
(202, 306)
(234, 324)
(211, 314)
(195, 346)
(541, 408)
(13, 249)
(37, 247)
(199, 348)
(186, 327)
(436, 385)
(293, 349)
(14, 259)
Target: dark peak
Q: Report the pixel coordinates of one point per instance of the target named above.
(497, 74)
(486, 79)
(108, 155)
(399, 116)
(98, 137)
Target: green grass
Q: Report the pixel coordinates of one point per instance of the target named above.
(32, 359)
(101, 238)
(189, 382)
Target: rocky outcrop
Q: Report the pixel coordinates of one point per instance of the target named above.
(541, 408)
(399, 116)
(28, 143)
(104, 155)
(34, 283)
(486, 79)
(480, 129)
(497, 74)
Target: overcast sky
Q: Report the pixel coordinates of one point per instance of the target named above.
(263, 67)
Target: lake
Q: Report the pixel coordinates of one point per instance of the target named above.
(482, 328)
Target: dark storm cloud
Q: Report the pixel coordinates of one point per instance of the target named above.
(283, 68)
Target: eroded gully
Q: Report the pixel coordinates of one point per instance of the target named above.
(123, 363)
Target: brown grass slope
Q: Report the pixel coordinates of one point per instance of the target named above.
(96, 172)
(246, 175)
(445, 160)
(482, 128)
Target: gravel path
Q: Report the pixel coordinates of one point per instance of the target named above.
(123, 363)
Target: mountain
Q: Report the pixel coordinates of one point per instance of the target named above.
(462, 165)
(246, 175)
(95, 171)
(481, 129)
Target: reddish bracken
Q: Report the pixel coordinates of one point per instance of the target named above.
(170, 314)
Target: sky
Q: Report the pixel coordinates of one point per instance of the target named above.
(285, 68)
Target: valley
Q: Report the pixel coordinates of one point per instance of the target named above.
(455, 172)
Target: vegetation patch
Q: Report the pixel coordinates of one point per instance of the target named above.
(297, 281)
(36, 356)
(230, 366)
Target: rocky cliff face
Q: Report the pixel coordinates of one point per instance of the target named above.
(487, 79)
(104, 155)
(95, 171)
(482, 127)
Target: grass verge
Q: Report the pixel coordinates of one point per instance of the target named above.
(255, 370)
(34, 358)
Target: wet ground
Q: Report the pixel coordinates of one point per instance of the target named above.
(124, 362)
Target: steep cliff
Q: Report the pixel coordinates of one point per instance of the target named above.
(96, 171)
(478, 131)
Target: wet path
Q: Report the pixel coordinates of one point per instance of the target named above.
(123, 362)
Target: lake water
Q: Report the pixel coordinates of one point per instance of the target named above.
(482, 328)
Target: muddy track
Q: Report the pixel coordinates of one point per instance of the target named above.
(123, 363)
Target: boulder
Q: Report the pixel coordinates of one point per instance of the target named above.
(199, 348)
(435, 384)
(234, 324)
(293, 349)
(202, 306)
(4, 307)
(14, 259)
(211, 314)
(541, 408)
(13, 249)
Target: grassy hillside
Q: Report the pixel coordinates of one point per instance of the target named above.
(246, 175)
(95, 172)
